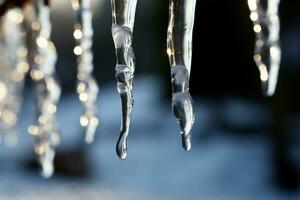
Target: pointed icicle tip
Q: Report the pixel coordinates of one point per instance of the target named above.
(47, 164)
(186, 141)
(184, 112)
(121, 147)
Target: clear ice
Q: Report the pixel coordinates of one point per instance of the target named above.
(267, 53)
(123, 16)
(14, 67)
(43, 59)
(179, 49)
(87, 87)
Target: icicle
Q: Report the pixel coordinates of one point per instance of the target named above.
(267, 53)
(123, 15)
(179, 49)
(14, 67)
(87, 87)
(48, 91)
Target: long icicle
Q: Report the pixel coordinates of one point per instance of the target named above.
(48, 91)
(179, 49)
(14, 68)
(267, 53)
(123, 16)
(87, 87)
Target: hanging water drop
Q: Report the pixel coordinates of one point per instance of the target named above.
(179, 49)
(43, 59)
(123, 16)
(267, 53)
(87, 87)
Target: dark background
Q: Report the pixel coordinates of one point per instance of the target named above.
(245, 145)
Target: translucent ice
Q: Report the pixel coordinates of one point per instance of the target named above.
(14, 68)
(123, 15)
(87, 87)
(179, 49)
(267, 53)
(43, 59)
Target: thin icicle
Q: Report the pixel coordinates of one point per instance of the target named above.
(87, 87)
(14, 67)
(123, 16)
(267, 53)
(43, 59)
(179, 49)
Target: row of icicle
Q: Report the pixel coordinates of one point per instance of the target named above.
(26, 47)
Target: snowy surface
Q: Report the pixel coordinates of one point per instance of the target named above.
(219, 166)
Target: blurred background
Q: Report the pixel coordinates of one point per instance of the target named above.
(245, 146)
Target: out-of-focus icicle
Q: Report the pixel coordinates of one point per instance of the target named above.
(123, 16)
(87, 87)
(179, 49)
(14, 67)
(43, 59)
(267, 53)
